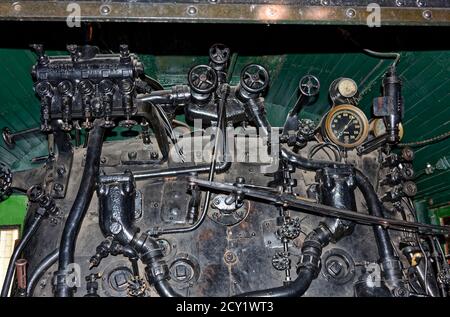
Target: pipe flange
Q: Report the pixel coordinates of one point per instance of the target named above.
(338, 266)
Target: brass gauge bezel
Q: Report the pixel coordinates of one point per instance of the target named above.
(356, 112)
(376, 133)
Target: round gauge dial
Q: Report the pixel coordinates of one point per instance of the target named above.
(347, 87)
(346, 126)
(379, 128)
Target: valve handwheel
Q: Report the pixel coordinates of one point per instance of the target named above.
(202, 79)
(219, 53)
(309, 85)
(254, 78)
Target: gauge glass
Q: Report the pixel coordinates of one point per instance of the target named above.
(379, 128)
(346, 126)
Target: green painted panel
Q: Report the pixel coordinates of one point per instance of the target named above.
(425, 74)
(13, 210)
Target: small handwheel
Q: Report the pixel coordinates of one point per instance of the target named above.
(309, 85)
(219, 54)
(106, 86)
(44, 89)
(65, 88)
(202, 79)
(254, 78)
(86, 87)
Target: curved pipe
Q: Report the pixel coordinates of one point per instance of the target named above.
(307, 164)
(390, 263)
(79, 208)
(17, 251)
(43, 266)
(116, 201)
(392, 269)
(308, 267)
(296, 289)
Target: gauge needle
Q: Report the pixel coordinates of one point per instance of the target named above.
(345, 128)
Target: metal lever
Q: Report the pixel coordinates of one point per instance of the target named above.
(309, 86)
(10, 138)
(307, 205)
(372, 144)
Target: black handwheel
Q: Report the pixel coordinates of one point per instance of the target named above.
(309, 85)
(219, 54)
(65, 88)
(44, 89)
(202, 79)
(254, 78)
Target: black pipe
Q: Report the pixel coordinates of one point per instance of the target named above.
(221, 109)
(336, 188)
(40, 269)
(116, 202)
(177, 171)
(307, 164)
(391, 266)
(255, 113)
(79, 208)
(17, 251)
(308, 266)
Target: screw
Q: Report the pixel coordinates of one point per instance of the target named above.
(421, 3)
(192, 10)
(103, 160)
(17, 7)
(115, 228)
(58, 187)
(399, 3)
(324, 2)
(350, 13)
(61, 170)
(154, 155)
(427, 15)
(105, 9)
(132, 155)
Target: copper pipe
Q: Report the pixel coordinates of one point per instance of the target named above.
(21, 273)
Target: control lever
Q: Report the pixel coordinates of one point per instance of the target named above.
(372, 144)
(309, 86)
(10, 138)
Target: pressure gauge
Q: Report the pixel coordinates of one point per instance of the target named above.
(343, 91)
(347, 87)
(346, 126)
(378, 127)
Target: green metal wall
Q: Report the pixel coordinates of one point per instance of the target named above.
(426, 89)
